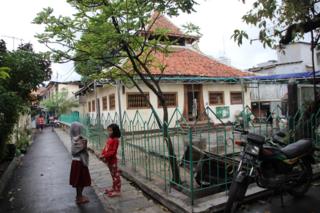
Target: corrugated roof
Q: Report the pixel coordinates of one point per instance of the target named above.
(299, 75)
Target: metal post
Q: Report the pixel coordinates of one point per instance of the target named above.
(120, 121)
(191, 166)
(259, 103)
(243, 105)
(292, 105)
(97, 103)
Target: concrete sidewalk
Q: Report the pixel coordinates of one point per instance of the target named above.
(41, 182)
(131, 200)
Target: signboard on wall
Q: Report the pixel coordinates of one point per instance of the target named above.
(223, 112)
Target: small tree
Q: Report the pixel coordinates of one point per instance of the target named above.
(115, 34)
(22, 70)
(59, 103)
(283, 22)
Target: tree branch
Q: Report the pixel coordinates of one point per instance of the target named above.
(303, 27)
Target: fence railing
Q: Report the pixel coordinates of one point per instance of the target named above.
(204, 152)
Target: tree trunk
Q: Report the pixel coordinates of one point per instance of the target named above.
(157, 91)
(172, 156)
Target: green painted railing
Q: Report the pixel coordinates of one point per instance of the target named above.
(205, 152)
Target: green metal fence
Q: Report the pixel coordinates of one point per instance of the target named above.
(204, 152)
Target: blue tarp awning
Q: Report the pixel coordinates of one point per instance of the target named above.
(284, 76)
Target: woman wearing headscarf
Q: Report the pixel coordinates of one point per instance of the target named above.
(79, 174)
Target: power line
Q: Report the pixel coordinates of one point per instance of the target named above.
(69, 73)
(13, 39)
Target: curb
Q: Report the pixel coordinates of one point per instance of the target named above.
(8, 173)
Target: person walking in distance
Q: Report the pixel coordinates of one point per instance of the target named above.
(40, 122)
(109, 155)
(79, 173)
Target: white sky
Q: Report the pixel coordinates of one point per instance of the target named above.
(216, 19)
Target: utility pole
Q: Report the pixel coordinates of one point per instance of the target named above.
(97, 102)
(13, 39)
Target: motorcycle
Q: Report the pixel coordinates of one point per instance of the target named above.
(279, 168)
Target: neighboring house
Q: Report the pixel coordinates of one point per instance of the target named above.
(270, 89)
(37, 96)
(293, 58)
(190, 82)
(71, 87)
(54, 87)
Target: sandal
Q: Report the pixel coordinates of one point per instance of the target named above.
(107, 191)
(113, 194)
(82, 200)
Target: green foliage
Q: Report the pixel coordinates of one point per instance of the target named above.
(23, 141)
(103, 33)
(59, 103)
(238, 36)
(192, 29)
(281, 21)
(113, 39)
(22, 70)
(4, 72)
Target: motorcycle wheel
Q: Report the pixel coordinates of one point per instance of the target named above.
(236, 195)
(301, 188)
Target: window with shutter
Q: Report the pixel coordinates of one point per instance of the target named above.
(216, 98)
(93, 106)
(104, 103)
(236, 97)
(170, 98)
(112, 102)
(137, 100)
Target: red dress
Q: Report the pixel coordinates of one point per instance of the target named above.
(110, 150)
(110, 154)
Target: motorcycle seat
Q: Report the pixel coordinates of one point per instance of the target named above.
(298, 148)
(257, 139)
(280, 134)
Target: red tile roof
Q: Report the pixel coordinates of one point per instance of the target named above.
(164, 23)
(184, 61)
(161, 22)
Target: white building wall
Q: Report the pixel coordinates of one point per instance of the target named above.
(227, 89)
(72, 89)
(290, 68)
(268, 92)
(145, 113)
(178, 88)
(290, 53)
(296, 52)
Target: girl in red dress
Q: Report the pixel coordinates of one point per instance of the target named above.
(109, 155)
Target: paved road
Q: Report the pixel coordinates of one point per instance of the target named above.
(310, 203)
(41, 183)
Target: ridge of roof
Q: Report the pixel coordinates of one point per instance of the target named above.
(160, 21)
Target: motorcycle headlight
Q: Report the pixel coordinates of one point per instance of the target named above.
(252, 149)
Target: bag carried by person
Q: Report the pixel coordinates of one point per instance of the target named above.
(79, 149)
